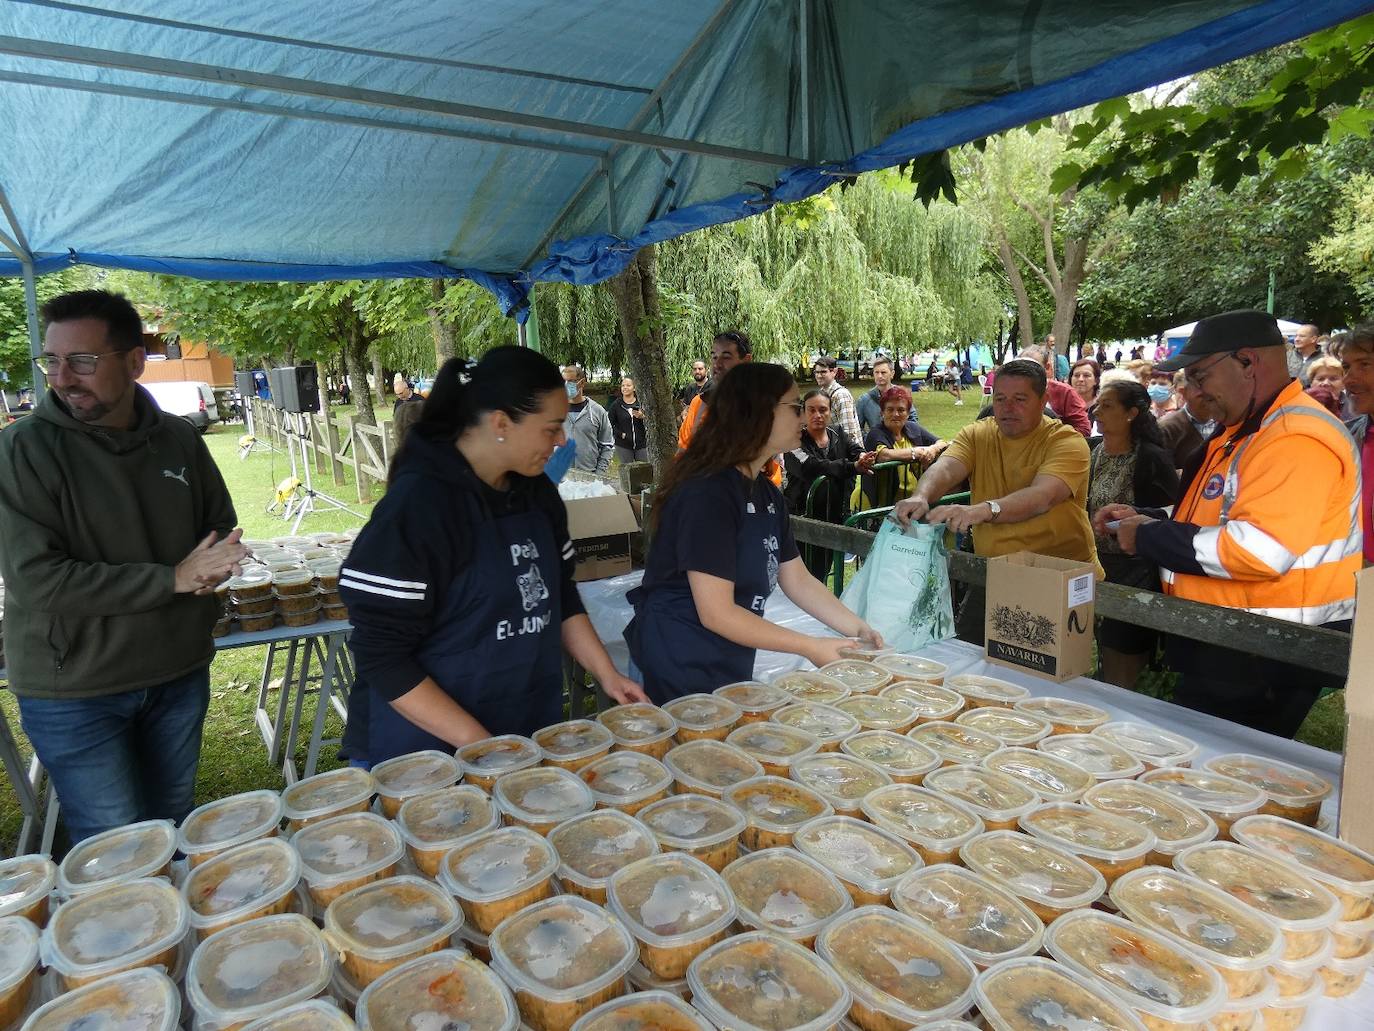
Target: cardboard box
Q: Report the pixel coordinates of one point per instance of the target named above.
(601, 529)
(1040, 614)
(1357, 776)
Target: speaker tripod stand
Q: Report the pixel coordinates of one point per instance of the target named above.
(296, 495)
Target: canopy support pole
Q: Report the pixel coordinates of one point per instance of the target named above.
(804, 61)
(19, 245)
(612, 222)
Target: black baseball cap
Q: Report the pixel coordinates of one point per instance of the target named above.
(1220, 334)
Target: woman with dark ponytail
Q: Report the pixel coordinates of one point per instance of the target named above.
(460, 587)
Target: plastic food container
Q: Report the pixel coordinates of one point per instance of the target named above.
(1006, 725)
(858, 676)
(1295, 976)
(140, 1000)
(982, 691)
(1353, 937)
(782, 891)
(1223, 798)
(245, 972)
(998, 800)
(499, 873)
(315, 1015)
(415, 774)
(639, 727)
(1109, 844)
(644, 1011)
(676, 906)
(444, 990)
(828, 724)
(484, 761)
(983, 920)
(761, 982)
(1177, 824)
(868, 860)
(1238, 941)
(346, 852)
(25, 884)
(841, 780)
(642, 981)
(931, 701)
(899, 972)
(1343, 977)
(348, 789)
(1049, 880)
(806, 686)
(594, 846)
(253, 880)
(773, 810)
(1292, 792)
(935, 826)
(1104, 759)
(709, 767)
(911, 667)
(253, 585)
(303, 618)
(1345, 871)
(627, 781)
(572, 744)
(904, 760)
(291, 581)
(1287, 1014)
(18, 967)
(219, 826)
(1054, 779)
(705, 828)
(1153, 746)
(116, 928)
(258, 622)
(1065, 715)
(432, 823)
(381, 925)
(755, 700)
(1035, 995)
(475, 942)
(541, 798)
(292, 604)
(703, 716)
(876, 712)
(774, 746)
(954, 743)
(123, 854)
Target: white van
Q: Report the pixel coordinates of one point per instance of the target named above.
(194, 402)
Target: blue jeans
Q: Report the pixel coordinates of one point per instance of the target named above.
(121, 758)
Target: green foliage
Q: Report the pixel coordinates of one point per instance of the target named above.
(14, 325)
(1349, 249)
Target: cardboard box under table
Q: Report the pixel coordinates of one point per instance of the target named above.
(601, 529)
(1040, 614)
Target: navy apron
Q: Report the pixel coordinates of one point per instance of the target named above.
(496, 648)
(679, 656)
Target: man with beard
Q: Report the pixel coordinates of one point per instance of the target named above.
(689, 393)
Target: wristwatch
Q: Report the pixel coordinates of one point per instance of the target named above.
(995, 509)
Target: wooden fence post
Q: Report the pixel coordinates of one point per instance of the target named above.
(331, 440)
(359, 477)
(317, 442)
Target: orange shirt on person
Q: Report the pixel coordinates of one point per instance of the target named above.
(696, 411)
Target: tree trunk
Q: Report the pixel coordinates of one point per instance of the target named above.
(445, 346)
(1066, 297)
(355, 348)
(641, 330)
(1018, 289)
(378, 380)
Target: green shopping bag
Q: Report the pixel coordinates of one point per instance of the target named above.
(902, 590)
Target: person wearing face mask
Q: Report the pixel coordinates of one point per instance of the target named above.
(1268, 522)
(588, 425)
(1161, 392)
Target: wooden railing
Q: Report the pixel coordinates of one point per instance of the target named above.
(367, 450)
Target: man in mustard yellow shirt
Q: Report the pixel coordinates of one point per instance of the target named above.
(1029, 479)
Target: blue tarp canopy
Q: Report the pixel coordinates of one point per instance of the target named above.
(528, 140)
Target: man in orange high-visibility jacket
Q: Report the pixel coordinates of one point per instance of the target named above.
(1268, 521)
(728, 349)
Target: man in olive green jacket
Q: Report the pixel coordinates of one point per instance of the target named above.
(115, 526)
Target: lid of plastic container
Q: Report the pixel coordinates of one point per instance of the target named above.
(876, 712)
(931, 701)
(671, 899)
(1232, 935)
(23, 881)
(954, 742)
(910, 667)
(416, 773)
(1278, 889)
(786, 892)
(315, 1015)
(857, 852)
(809, 686)
(638, 723)
(995, 797)
(1177, 824)
(897, 755)
(840, 779)
(776, 804)
(921, 816)
(1064, 712)
(803, 993)
(542, 795)
(1055, 779)
(260, 577)
(774, 743)
(445, 817)
(644, 1011)
(344, 848)
(18, 951)
(622, 778)
(442, 990)
(249, 970)
(701, 712)
(1033, 994)
(898, 965)
(327, 792)
(981, 918)
(390, 918)
(595, 845)
(497, 864)
(753, 696)
(240, 880)
(827, 723)
(710, 766)
(1284, 783)
(1153, 745)
(122, 854)
(691, 821)
(137, 1000)
(230, 821)
(1210, 792)
(1104, 759)
(1007, 725)
(497, 755)
(562, 949)
(1086, 831)
(987, 689)
(296, 577)
(1327, 859)
(1034, 869)
(572, 740)
(859, 676)
(114, 927)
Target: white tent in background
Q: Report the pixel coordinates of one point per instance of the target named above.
(1185, 331)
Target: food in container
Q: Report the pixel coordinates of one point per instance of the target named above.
(931, 701)
(782, 891)
(1177, 824)
(627, 781)
(223, 627)
(773, 810)
(1343, 977)
(247, 882)
(644, 1011)
(1034, 994)
(122, 854)
(868, 860)
(640, 727)
(1346, 871)
(303, 618)
(675, 906)
(1054, 779)
(1048, 879)
(1104, 759)
(1109, 844)
(381, 925)
(755, 700)
(904, 760)
(1006, 725)
(345, 852)
(954, 743)
(26, 882)
(18, 968)
(292, 604)
(866, 652)
(1238, 941)
(476, 943)
(1153, 746)
(998, 800)
(415, 774)
(876, 712)
(573, 744)
(1065, 715)
(119, 927)
(484, 761)
(841, 780)
(703, 716)
(314, 1015)
(139, 1000)
(291, 582)
(705, 828)
(252, 624)
(1291, 792)
(499, 873)
(1353, 937)
(935, 826)
(334, 612)
(858, 676)
(250, 970)
(219, 826)
(432, 823)
(828, 724)
(1295, 976)
(348, 789)
(1287, 1014)
(708, 767)
(806, 686)
(761, 982)
(641, 980)
(541, 798)
(444, 991)
(1223, 798)
(326, 572)
(983, 920)
(594, 846)
(981, 691)
(911, 667)
(253, 585)
(774, 745)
